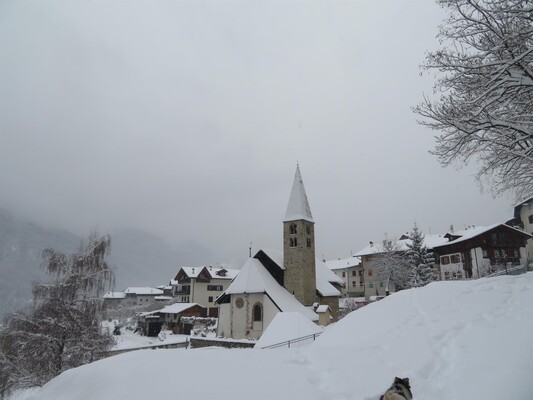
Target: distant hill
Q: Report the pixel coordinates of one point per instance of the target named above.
(142, 259)
(21, 246)
(138, 258)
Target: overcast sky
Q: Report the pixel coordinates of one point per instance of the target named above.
(187, 118)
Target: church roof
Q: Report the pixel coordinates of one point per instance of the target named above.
(324, 279)
(298, 207)
(254, 278)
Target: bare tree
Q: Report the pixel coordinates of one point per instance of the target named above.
(485, 89)
(391, 264)
(62, 330)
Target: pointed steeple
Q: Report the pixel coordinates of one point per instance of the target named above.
(298, 207)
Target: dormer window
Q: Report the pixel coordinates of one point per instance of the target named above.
(292, 229)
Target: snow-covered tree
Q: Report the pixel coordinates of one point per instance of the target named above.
(391, 265)
(62, 330)
(484, 108)
(420, 260)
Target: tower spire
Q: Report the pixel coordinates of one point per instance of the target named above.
(298, 207)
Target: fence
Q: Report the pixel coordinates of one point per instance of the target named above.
(288, 343)
(515, 270)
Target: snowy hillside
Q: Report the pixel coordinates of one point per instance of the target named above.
(454, 340)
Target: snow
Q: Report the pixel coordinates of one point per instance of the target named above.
(459, 340)
(323, 277)
(177, 308)
(322, 309)
(254, 278)
(143, 291)
(298, 207)
(193, 272)
(343, 263)
(114, 295)
(287, 326)
(478, 230)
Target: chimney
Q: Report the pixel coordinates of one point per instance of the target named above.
(371, 244)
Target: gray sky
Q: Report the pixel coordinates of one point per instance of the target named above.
(187, 118)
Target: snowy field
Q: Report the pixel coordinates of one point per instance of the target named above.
(454, 340)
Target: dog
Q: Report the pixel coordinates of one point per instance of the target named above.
(400, 390)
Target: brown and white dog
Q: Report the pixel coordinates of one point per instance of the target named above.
(400, 390)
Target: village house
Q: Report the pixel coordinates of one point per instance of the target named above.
(350, 270)
(480, 251)
(202, 285)
(470, 253)
(113, 300)
(173, 317)
(523, 219)
(140, 296)
(273, 282)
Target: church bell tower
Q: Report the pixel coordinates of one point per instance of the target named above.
(299, 245)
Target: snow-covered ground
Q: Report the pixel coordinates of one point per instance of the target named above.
(454, 340)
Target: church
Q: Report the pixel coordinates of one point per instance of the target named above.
(290, 281)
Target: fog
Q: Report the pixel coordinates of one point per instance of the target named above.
(187, 119)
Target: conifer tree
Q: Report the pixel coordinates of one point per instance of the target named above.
(420, 260)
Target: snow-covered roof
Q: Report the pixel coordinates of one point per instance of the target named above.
(343, 263)
(430, 241)
(323, 308)
(114, 295)
(476, 231)
(145, 291)
(163, 298)
(324, 279)
(274, 255)
(287, 326)
(215, 272)
(254, 278)
(176, 308)
(298, 207)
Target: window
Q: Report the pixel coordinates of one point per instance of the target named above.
(257, 312)
(292, 229)
(308, 229)
(343, 274)
(370, 285)
(214, 288)
(454, 259)
(380, 284)
(485, 253)
(293, 242)
(444, 260)
(354, 273)
(354, 283)
(530, 219)
(369, 272)
(361, 273)
(308, 242)
(210, 299)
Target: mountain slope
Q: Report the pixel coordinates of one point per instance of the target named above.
(138, 258)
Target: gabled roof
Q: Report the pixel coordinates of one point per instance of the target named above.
(143, 291)
(213, 272)
(114, 295)
(344, 263)
(177, 308)
(254, 278)
(472, 233)
(298, 207)
(324, 279)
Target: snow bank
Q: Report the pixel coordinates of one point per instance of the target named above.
(287, 326)
(454, 340)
